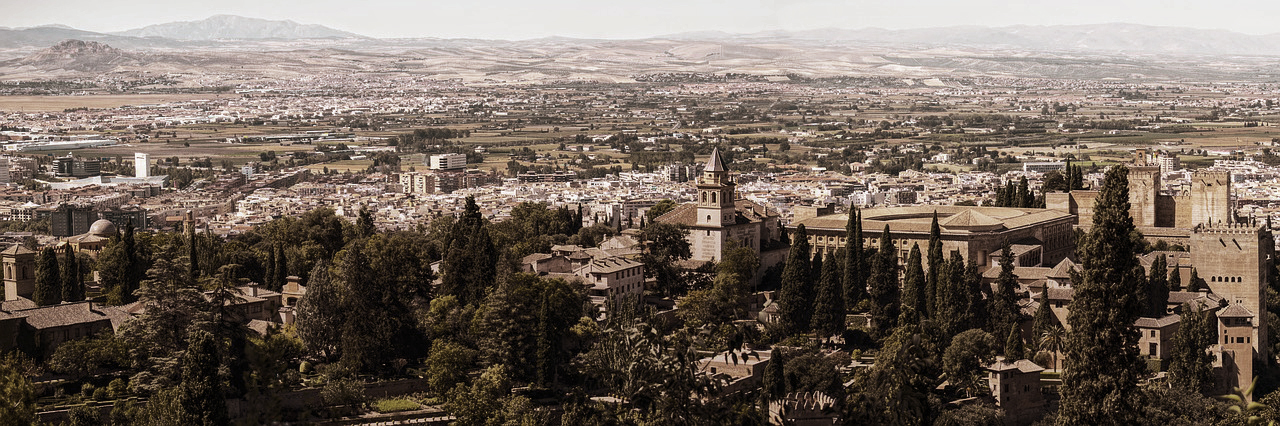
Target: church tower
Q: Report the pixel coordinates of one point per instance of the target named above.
(715, 194)
(19, 272)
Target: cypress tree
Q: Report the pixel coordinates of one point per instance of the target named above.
(953, 297)
(1193, 284)
(72, 285)
(1025, 198)
(793, 303)
(1175, 279)
(1190, 366)
(1100, 385)
(936, 266)
(828, 304)
(281, 269)
(853, 288)
(269, 278)
(192, 253)
(775, 378)
(1044, 319)
(1004, 306)
(913, 283)
(978, 295)
(884, 286)
(1013, 349)
(48, 287)
(136, 271)
(201, 392)
(1158, 287)
(546, 352)
(469, 268)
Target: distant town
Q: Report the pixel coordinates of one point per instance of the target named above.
(679, 248)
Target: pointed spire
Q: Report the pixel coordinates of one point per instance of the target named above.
(715, 164)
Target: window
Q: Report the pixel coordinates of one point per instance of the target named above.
(1153, 333)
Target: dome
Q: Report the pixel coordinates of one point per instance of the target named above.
(103, 228)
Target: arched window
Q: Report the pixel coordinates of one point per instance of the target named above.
(704, 197)
(713, 198)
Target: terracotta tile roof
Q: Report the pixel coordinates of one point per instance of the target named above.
(1235, 311)
(64, 314)
(1022, 365)
(918, 218)
(17, 249)
(747, 211)
(1167, 320)
(1062, 270)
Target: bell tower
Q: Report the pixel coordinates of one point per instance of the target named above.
(19, 272)
(716, 193)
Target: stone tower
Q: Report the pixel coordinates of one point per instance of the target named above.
(19, 272)
(1211, 197)
(715, 194)
(1236, 326)
(1144, 189)
(1232, 259)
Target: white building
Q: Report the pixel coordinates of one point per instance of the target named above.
(141, 165)
(447, 162)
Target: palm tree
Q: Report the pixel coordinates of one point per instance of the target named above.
(1052, 340)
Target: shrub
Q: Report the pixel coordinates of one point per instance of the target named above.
(119, 388)
(87, 390)
(395, 405)
(101, 394)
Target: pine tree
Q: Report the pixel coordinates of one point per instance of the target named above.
(936, 266)
(884, 286)
(48, 287)
(828, 304)
(1103, 366)
(1013, 348)
(72, 284)
(913, 283)
(854, 287)
(793, 302)
(1004, 306)
(1158, 287)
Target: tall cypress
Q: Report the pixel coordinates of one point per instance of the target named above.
(978, 295)
(469, 268)
(193, 253)
(136, 271)
(793, 303)
(269, 278)
(1044, 319)
(281, 269)
(1100, 385)
(854, 288)
(1025, 198)
(1004, 306)
(884, 286)
(913, 282)
(936, 263)
(828, 304)
(1013, 348)
(1158, 287)
(69, 269)
(1190, 365)
(48, 287)
(1175, 279)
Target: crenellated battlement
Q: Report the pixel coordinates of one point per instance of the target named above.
(1228, 229)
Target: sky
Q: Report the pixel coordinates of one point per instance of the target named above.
(516, 19)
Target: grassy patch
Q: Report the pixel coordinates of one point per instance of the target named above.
(395, 405)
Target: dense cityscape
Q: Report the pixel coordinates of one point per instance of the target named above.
(236, 243)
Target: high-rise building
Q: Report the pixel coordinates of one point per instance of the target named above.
(141, 164)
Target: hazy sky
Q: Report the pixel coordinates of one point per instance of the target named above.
(515, 19)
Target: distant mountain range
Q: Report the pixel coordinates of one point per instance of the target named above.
(231, 27)
(230, 31)
(1117, 37)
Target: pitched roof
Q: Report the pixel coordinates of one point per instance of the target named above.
(1022, 365)
(1167, 320)
(17, 249)
(64, 314)
(1062, 270)
(970, 218)
(715, 164)
(746, 211)
(1235, 311)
